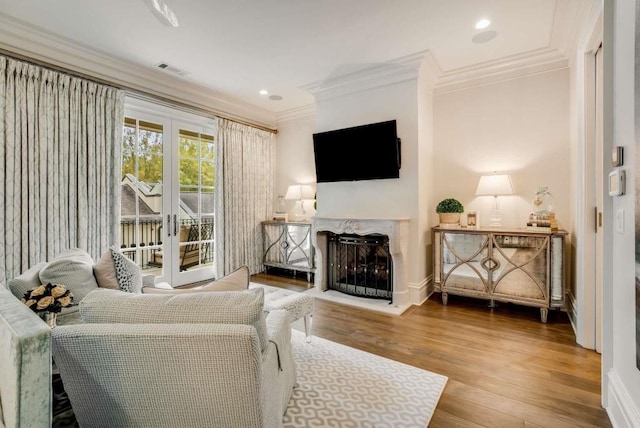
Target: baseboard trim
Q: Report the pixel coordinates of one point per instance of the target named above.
(620, 407)
(420, 292)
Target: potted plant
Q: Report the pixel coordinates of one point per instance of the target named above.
(449, 211)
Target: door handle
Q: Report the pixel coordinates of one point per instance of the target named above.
(175, 225)
(169, 225)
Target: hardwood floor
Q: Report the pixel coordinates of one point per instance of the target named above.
(505, 368)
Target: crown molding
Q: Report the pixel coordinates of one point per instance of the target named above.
(26, 40)
(568, 22)
(376, 76)
(299, 113)
(430, 71)
(514, 66)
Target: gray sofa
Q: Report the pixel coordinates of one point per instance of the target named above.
(25, 366)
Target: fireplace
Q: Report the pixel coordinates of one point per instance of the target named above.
(360, 265)
(396, 233)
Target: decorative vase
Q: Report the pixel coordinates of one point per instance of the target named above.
(49, 318)
(543, 203)
(449, 219)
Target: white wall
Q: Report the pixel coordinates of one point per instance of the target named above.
(623, 379)
(519, 126)
(294, 158)
(393, 198)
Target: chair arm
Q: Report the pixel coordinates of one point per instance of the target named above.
(279, 328)
(278, 367)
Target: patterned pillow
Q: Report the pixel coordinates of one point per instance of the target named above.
(128, 274)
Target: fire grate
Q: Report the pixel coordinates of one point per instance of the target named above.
(360, 265)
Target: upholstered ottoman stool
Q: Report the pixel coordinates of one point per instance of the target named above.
(298, 305)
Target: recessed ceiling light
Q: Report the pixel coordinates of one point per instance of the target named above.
(263, 92)
(483, 23)
(484, 36)
(275, 97)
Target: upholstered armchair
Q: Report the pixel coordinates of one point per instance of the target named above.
(196, 360)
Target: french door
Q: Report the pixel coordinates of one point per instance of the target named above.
(168, 192)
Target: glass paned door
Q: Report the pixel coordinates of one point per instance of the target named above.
(141, 205)
(196, 192)
(169, 168)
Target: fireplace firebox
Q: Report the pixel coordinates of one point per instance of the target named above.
(360, 265)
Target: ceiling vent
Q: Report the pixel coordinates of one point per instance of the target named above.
(171, 69)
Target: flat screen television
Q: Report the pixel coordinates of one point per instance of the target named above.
(367, 152)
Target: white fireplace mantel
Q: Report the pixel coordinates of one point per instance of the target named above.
(397, 230)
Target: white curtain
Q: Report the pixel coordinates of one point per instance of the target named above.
(246, 197)
(60, 143)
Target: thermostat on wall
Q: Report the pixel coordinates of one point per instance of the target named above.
(616, 182)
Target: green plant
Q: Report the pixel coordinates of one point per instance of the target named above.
(449, 205)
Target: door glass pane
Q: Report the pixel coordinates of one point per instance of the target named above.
(141, 223)
(197, 199)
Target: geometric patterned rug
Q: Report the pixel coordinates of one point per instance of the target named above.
(339, 386)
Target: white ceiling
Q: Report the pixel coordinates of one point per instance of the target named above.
(238, 47)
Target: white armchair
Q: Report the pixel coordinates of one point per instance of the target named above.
(196, 360)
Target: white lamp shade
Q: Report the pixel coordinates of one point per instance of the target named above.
(298, 192)
(494, 185)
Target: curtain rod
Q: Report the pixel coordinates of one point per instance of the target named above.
(133, 92)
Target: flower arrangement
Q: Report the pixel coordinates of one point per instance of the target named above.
(48, 298)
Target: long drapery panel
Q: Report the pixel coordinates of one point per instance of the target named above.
(246, 197)
(60, 144)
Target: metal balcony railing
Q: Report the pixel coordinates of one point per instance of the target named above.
(141, 239)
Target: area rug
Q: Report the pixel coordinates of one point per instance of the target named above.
(339, 386)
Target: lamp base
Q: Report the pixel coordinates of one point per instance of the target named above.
(299, 214)
(496, 216)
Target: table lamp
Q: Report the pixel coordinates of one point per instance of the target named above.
(495, 185)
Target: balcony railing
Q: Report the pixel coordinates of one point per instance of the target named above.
(142, 240)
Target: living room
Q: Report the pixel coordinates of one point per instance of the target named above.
(523, 116)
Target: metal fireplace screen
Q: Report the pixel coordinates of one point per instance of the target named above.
(360, 265)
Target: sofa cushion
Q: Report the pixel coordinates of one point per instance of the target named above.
(105, 273)
(74, 269)
(225, 307)
(26, 281)
(237, 280)
(128, 274)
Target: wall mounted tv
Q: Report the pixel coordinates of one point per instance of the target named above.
(367, 152)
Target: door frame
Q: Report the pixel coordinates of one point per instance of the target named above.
(172, 120)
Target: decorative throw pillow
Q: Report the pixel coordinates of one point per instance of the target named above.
(27, 280)
(128, 274)
(73, 268)
(105, 272)
(227, 307)
(237, 280)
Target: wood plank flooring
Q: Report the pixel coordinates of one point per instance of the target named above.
(505, 368)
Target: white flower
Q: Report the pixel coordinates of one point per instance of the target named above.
(45, 302)
(58, 290)
(65, 301)
(38, 291)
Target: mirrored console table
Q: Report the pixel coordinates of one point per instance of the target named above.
(505, 265)
(287, 245)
